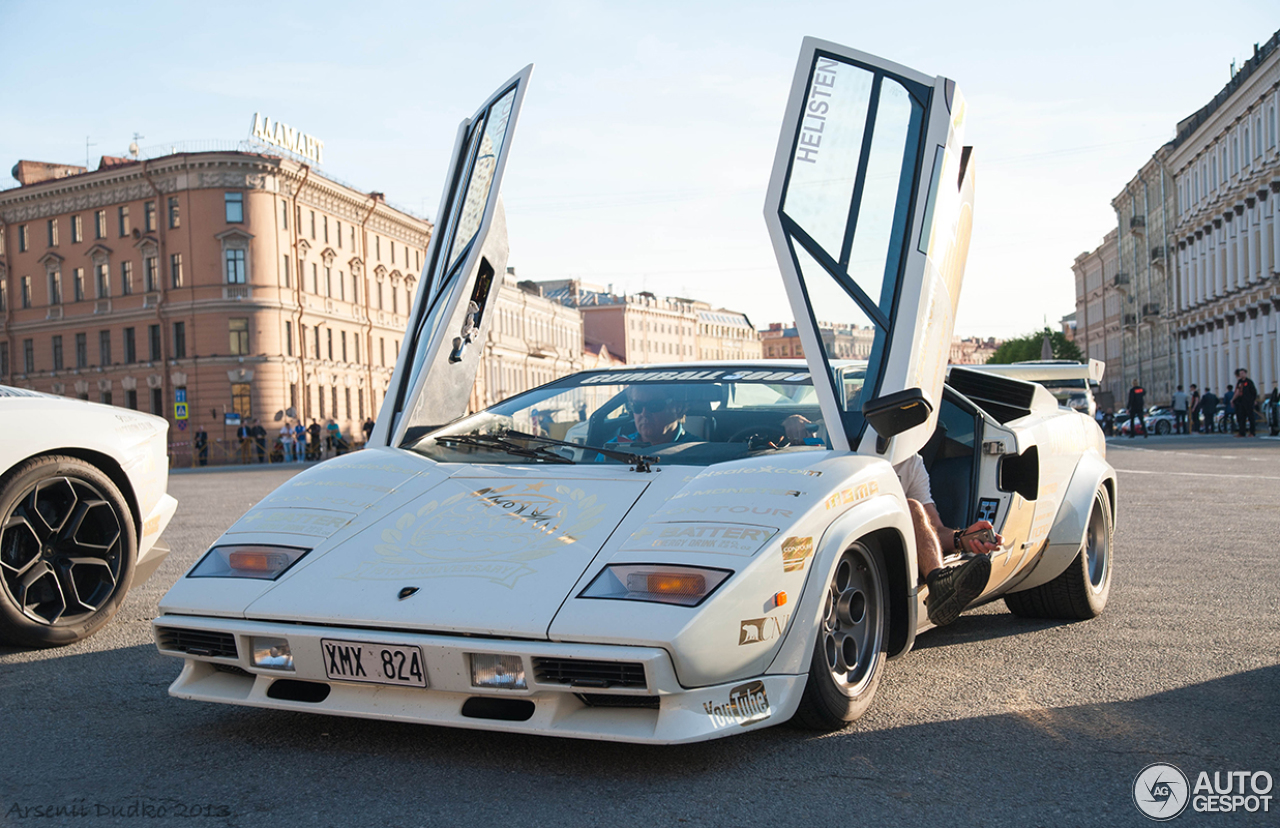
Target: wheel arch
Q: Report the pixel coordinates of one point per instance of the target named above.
(1067, 534)
(885, 521)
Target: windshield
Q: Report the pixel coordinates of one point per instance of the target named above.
(691, 417)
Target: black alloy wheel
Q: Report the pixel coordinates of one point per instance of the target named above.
(67, 549)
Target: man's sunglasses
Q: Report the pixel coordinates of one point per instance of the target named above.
(649, 406)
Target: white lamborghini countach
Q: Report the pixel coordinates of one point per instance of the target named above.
(665, 553)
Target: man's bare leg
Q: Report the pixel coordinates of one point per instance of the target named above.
(928, 547)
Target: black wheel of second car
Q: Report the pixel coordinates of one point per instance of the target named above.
(67, 549)
(1163, 427)
(848, 657)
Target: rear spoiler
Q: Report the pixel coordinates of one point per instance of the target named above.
(1039, 371)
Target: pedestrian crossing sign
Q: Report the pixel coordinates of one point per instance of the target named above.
(180, 411)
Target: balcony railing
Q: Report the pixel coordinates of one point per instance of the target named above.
(1151, 309)
(102, 306)
(1157, 252)
(1130, 319)
(237, 292)
(1120, 280)
(1137, 224)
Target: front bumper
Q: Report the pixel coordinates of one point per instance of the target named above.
(658, 712)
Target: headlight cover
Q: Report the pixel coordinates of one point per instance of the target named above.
(264, 563)
(685, 586)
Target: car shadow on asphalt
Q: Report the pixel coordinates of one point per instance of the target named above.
(983, 627)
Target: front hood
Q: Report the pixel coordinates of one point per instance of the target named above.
(485, 555)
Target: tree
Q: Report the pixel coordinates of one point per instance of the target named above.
(1028, 347)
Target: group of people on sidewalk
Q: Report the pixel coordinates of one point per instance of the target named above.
(1198, 413)
(295, 442)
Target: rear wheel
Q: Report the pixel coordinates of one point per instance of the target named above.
(67, 549)
(1163, 427)
(1081, 591)
(848, 657)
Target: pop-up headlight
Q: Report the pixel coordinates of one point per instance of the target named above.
(661, 583)
(249, 561)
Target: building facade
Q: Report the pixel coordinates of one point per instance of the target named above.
(206, 284)
(638, 328)
(1225, 165)
(1145, 211)
(725, 334)
(972, 350)
(532, 341)
(782, 341)
(1101, 294)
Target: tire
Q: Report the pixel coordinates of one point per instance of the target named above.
(848, 657)
(68, 546)
(1081, 591)
(1162, 427)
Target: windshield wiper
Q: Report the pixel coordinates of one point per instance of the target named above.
(502, 444)
(641, 462)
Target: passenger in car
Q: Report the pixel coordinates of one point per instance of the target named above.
(951, 588)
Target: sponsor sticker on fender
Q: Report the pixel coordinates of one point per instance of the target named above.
(795, 551)
(759, 630)
(733, 538)
(853, 494)
(748, 703)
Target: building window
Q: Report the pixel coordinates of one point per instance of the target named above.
(380, 302)
(175, 270)
(149, 217)
(100, 224)
(82, 350)
(288, 337)
(288, 274)
(344, 346)
(102, 279)
(320, 397)
(316, 332)
(22, 238)
(131, 399)
(377, 245)
(77, 229)
(333, 398)
(175, 217)
(315, 279)
(355, 289)
(149, 275)
(360, 402)
(157, 402)
(28, 356)
(284, 215)
(313, 225)
(355, 345)
(77, 284)
(328, 281)
(393, 254)
(123, 213)
(346, 393)
(293, 398)
(234, 203)
(342, 286)
(105, 398)
(239, 336)
(395, 299)
(53, 232)
(153, 338)
(126, 278)
(130, 346)
(324, 221)
(25, 285)
(330, 340)
(235, 267)
(104, 348)
(57, 353)
(4, 360)
(339, 231)
(179, 340)
(382, 351)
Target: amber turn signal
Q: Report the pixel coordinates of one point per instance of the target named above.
(257, 561)
(667, 583)
(779, 599)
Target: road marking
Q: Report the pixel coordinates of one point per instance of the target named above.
(1111, 446)
(1200, 474)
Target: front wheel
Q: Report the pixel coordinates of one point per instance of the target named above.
(1163, 427)
(1081, 591)
(848, 657)
(67, 549)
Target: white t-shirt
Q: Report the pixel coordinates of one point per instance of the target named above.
(914, 479)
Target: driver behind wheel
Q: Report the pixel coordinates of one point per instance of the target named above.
(953, 588)
(659, 412)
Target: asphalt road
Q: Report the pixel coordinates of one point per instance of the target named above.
(993, 720)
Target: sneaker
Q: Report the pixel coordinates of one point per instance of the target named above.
(951, 589)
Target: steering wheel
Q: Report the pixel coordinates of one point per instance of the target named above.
(757, 436)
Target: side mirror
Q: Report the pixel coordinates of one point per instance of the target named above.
(895, 413)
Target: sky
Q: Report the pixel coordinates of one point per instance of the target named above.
(641, 157)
